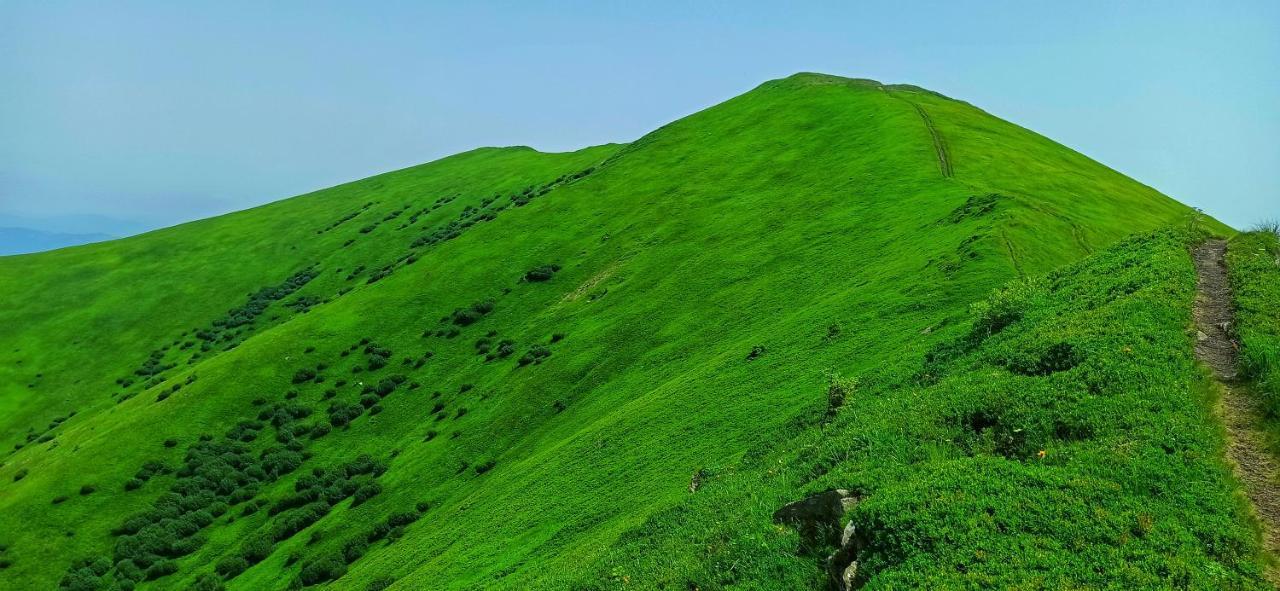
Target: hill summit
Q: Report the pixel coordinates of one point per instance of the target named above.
(610, 368)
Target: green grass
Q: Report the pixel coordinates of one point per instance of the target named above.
(808, 218)
(1255, 283)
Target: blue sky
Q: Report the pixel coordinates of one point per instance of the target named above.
(162, 112)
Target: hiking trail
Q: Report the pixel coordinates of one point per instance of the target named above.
(1239, 407)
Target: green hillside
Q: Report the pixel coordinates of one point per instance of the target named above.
(509, 369)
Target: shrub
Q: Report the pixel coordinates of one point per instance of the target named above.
(402, 518)
(485, 466)
(380, 583)
(208, 582)
(364, 493)
(171, 443)
(257, 549)
(305, 374)
(541, 273)
(378, 532)
(20, 474)
(325, 568)
(340, 415)
(161, 568)
(1005, 306)
(58, 500)
(230, 566)
(87, 489)
(535, 355)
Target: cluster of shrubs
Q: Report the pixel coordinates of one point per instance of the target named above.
(45, 435)
(226, 329)
(469, 216)
(333, 564)
(303, 304)
(376, 357)
(470, 314)
(380, 274)
(346, 218)
(534, 355)
(214, 475)
(259, 300)
(500, 350)
(154, 365)
(314, 495)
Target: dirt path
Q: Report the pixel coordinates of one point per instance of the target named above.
(1240, 411)
(939, 144)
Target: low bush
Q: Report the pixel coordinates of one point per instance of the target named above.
(541, 273)
(365, 492)
(324, 568)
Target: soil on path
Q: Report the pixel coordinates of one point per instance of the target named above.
(1246, 445)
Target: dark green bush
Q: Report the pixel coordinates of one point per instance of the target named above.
(305, 374)
(325, 568)
(541, 273)
(230, 566)
(535, 355)
(365, 492)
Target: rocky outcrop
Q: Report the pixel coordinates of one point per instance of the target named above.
(817, 518)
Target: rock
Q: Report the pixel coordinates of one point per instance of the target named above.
(842, 565)
(695, 482)
(817, 517)
(1201, 337)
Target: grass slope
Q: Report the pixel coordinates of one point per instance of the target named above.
(531, 429)
(1252, 264)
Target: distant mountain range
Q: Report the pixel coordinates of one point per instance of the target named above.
(20, 234)
(25, 240)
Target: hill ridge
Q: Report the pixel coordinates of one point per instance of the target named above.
(570, 334)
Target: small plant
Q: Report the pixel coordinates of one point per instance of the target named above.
(838, 391)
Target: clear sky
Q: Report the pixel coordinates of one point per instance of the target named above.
(162, 112)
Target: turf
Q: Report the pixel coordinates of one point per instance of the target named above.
(577, 334)
(1253, 264)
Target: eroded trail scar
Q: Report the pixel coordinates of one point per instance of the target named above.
(939, 145)
(1246, 447)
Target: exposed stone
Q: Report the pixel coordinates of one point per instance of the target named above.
(817, 517)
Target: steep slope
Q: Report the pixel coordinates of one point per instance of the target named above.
(577, 335)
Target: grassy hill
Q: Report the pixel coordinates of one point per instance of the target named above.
(503, 369)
